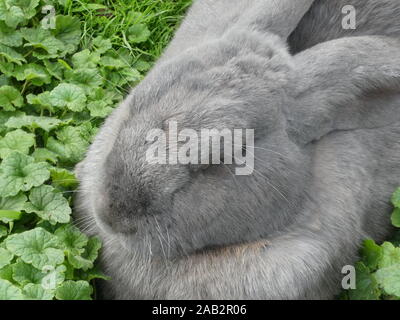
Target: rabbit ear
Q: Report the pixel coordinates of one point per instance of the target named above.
(345, 84)
(277, 16)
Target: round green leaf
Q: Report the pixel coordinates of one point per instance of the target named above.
(10, 292)
(396, 198)
(17, 140)
(63, 178)
(5, 257)
(68, 95)
(138, 33)
(21, 173)
(10, 98)
(389, 279)
(37, 247)
(74, 290)
(36, 292)
(396, 217)
(48, 205)
(33, 122)
(68, 31)
(9, 36)
(70, 145)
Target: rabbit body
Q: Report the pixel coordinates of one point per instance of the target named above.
(327, 156)
(323, 22)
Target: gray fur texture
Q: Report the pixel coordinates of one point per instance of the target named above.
(327, 154)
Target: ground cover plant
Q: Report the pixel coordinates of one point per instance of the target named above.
(64, 66)
(378, 272)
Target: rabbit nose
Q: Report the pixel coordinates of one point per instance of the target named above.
(117, 211)
(118, 225)
(127, 201)
(117, 222)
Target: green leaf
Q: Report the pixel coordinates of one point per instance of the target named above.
(88, 79)
(42, 100)
(70, 273)
(17, 140)
(11, 14)
(63, 178)
(15, 203)
(101, 45)
(74, 290)
(64, 3)
(64, 64)
(11, 207)
(4, 80)
(5, 116)
(46, 225)
(6, 273)
(93, 274)
(88, 131)
(37, 292)
(53, 276)
(72, 239)
(85, 59)
(43, 154)
(11, 55)
(69, 145)
(68, 95)
(103, 95)
(10, 98)
(68, 31)
(141, 65)
(396, 198)
(396, 217)
(28, 7)
(37, 247)
(112, 63)
(24, 273)
(390, 255)
(5, 257)
(3, 231)
(10, 292)
(9, 36)
(9, 215)
(138, 33)
(33, 122)
(21, 173)
(92, 249)
(54, 68)
(389, 279)
(32, 72)
(42, 39)
(48, 205)
(99, 109)
(79, 262)
(130, 75)
(48, 277)
(86, 260)
(7, 68)
(366, 285)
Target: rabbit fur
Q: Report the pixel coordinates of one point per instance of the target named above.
(327, 154)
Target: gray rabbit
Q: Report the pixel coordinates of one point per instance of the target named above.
(327, 154)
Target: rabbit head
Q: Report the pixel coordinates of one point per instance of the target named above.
(236, 82)
(243, 80)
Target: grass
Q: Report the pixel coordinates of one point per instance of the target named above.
(112, 20)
